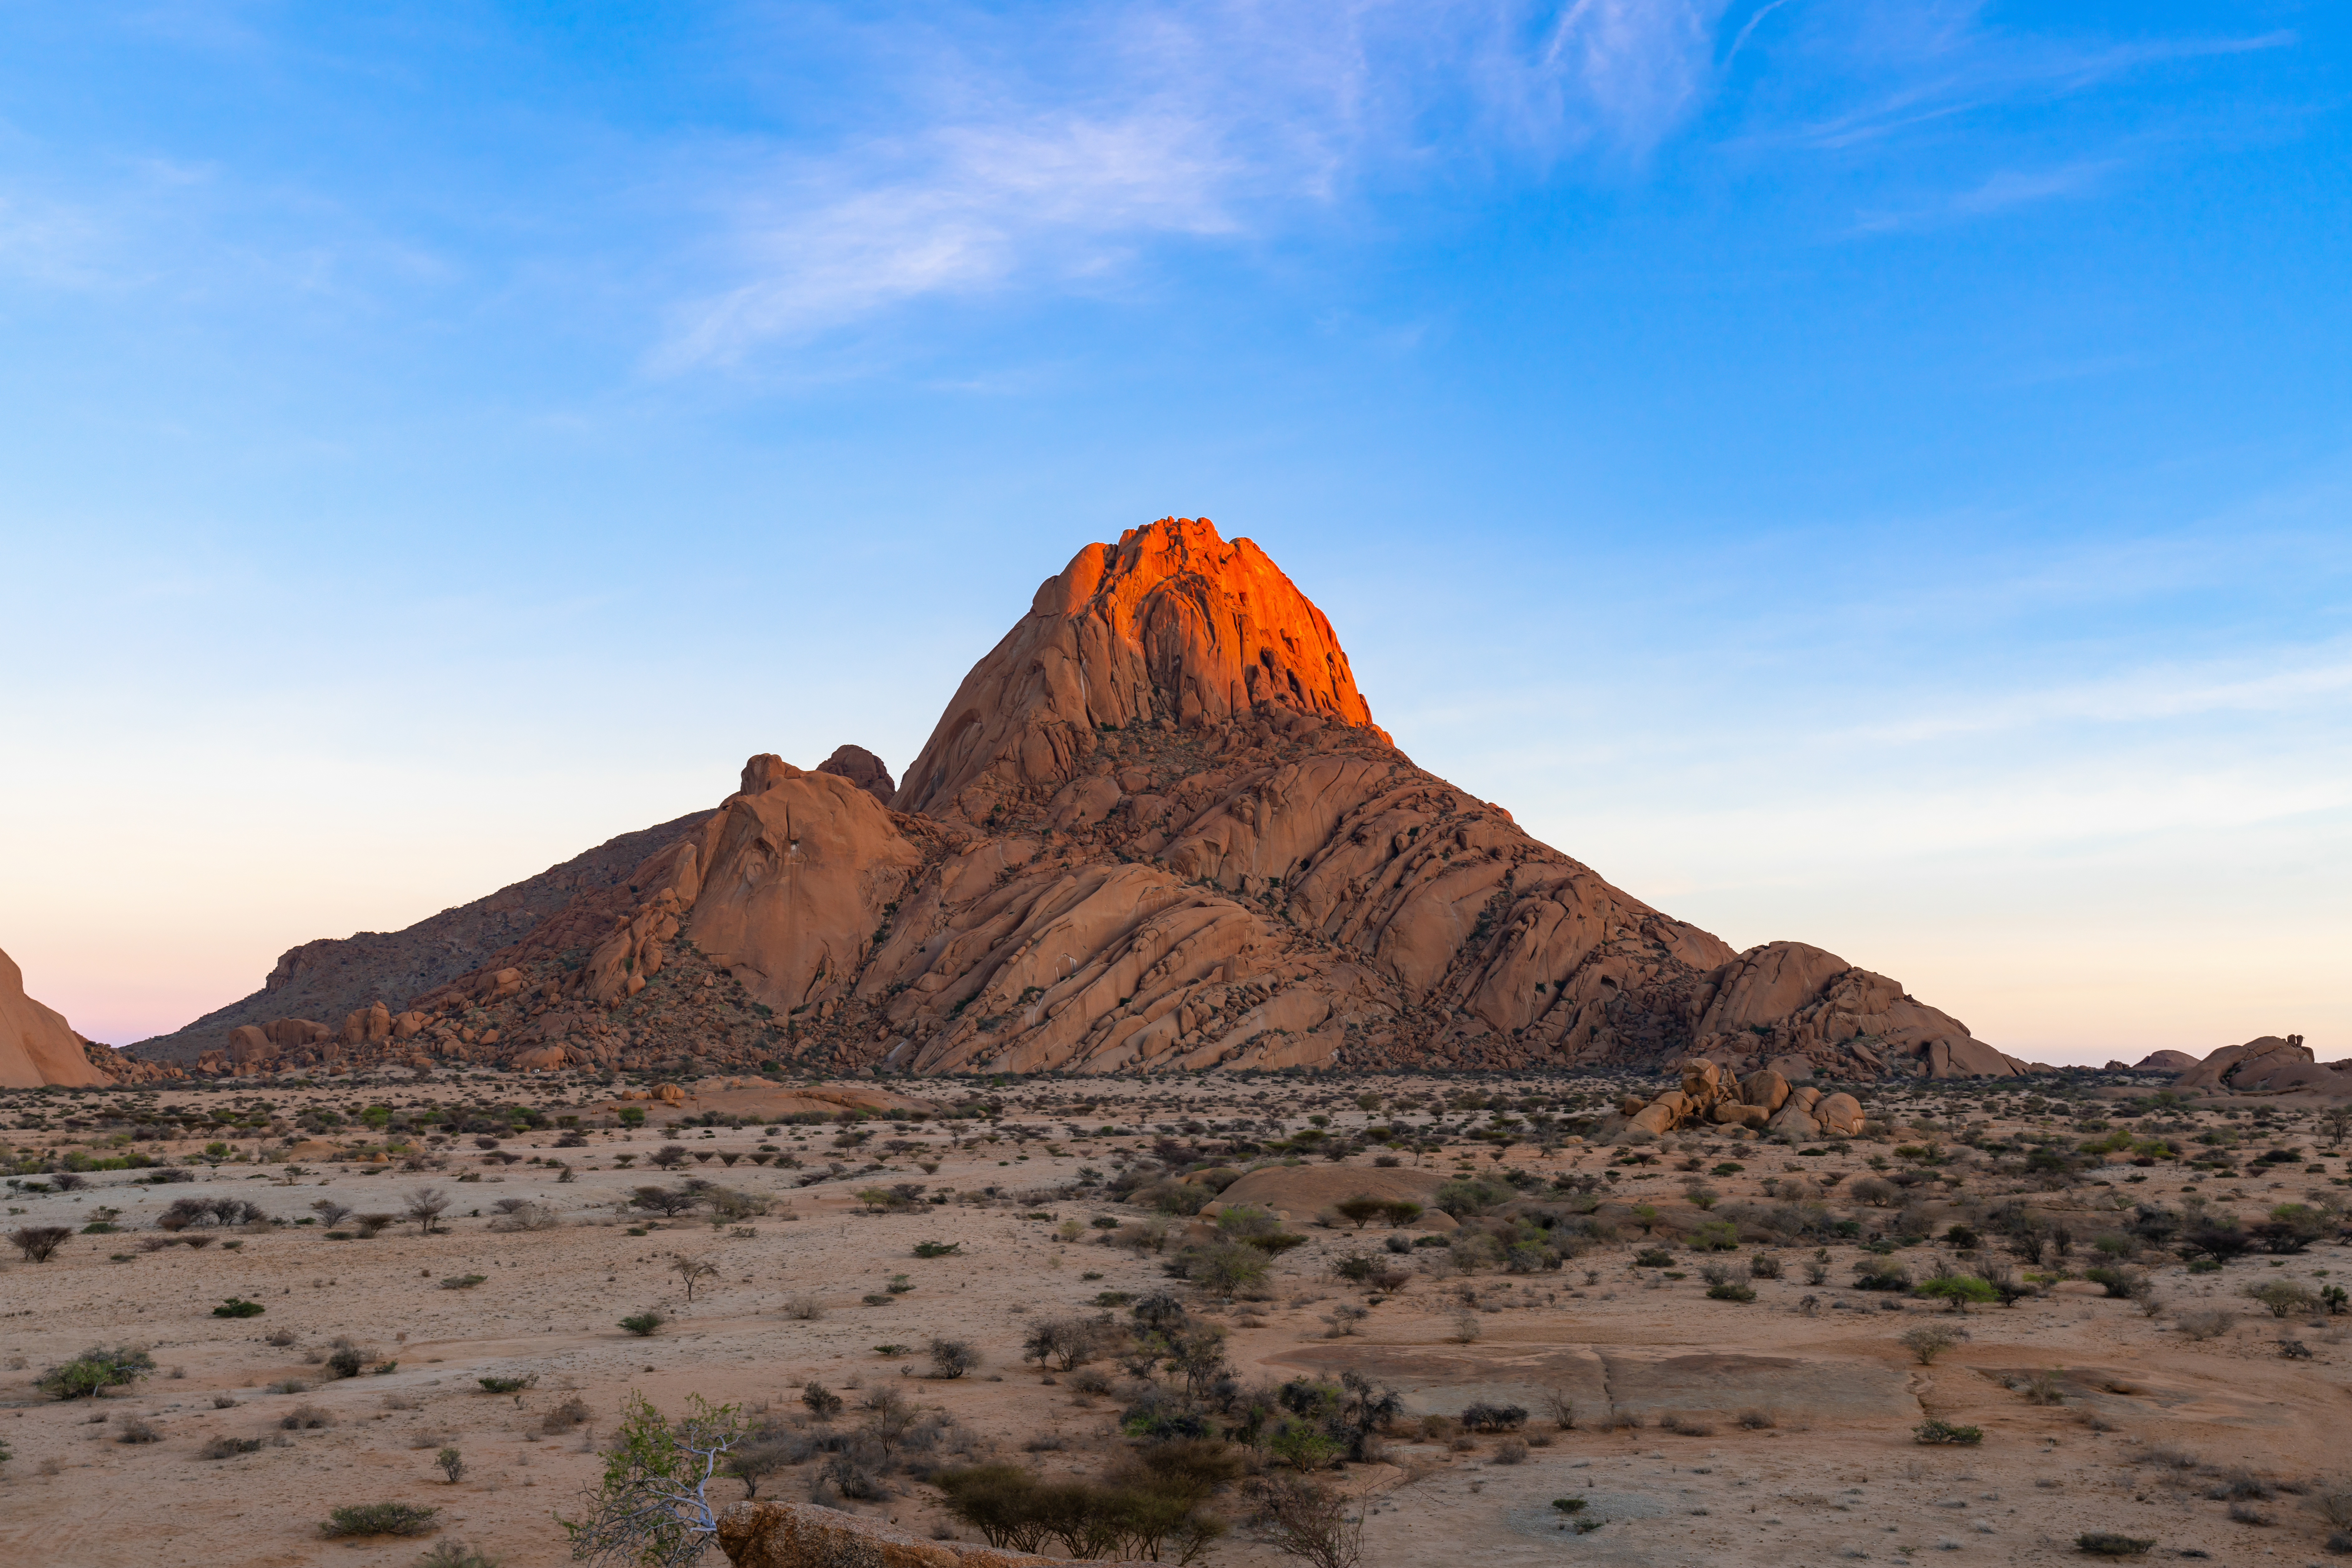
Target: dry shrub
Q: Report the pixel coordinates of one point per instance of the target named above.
(2206, 1324)
(572, 1412)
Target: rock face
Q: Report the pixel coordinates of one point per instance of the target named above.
(1170, 624)
(1156, 828)
(37, 1046)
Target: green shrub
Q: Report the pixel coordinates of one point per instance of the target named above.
(2284, 1298)
(96, 1370)
(1303, 1447)
(940, 1248)
(1959, 1290)
(495, 1384)
(2108, 1543)
(1222, 1268)
(379, 1518)
(1466, 1198)
(1881, 1274)
(1730, 1290)
(1936, 1430)
(1715, 1236)
(236, 1307)
(643, 1322)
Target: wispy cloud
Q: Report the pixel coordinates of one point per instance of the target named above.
(1998, 192)
(1912, 65)
(956, 211)
(1219, 121)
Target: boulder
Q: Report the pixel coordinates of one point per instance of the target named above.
(2165, 1061)
(862, 768)
(368, 1026)
(1766, 1088)
(1792, 1121)
(248, 1045)
(1840, 1115)
(1657, 1116)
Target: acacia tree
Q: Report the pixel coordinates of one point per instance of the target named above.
(425, 1205)
(694, 1271)
(653, 1509)
(666, 1201)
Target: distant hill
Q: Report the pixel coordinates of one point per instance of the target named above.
(333, 976)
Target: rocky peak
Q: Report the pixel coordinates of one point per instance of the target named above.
(1174, 625)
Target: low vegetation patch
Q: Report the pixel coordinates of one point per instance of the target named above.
(379, 1518)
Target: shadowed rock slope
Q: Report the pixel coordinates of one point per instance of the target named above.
(333, 976)
(1155, 829)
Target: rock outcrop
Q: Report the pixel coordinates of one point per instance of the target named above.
(1156, 828)
(1762, 1101)
(1785, 998)
(37, 1045)
(2268, 1064)
(862, 768)
(2165, 1061)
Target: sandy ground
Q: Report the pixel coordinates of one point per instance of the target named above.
(1835, 1476)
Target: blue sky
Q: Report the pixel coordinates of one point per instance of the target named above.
(1874, 474)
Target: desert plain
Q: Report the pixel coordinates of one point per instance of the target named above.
(1719, 1346)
